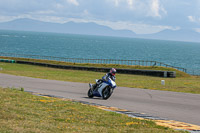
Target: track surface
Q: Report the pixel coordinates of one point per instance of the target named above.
(182, 107)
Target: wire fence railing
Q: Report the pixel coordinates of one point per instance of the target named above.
(93, 61)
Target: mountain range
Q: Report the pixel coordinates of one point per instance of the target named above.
(96, 29)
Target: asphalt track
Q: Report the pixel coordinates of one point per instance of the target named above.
(182, 107)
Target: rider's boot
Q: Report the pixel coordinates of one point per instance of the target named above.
(95, 86)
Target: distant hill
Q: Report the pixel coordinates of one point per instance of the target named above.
(177, 35)
(96, 29)
(69, 27)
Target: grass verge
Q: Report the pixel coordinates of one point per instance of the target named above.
(178, 73)
(187, 84)
(23, 112)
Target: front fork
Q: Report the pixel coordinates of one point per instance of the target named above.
(91, 86)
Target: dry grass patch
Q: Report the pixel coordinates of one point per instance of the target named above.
(22, 112)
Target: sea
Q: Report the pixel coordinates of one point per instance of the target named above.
(175, 53)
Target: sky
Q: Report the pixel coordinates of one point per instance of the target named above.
(139, 16)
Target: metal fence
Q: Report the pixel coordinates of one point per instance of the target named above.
(94, 61)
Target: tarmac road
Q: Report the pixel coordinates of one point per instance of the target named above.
(182, 107)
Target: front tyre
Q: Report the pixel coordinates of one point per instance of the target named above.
(90, 93)
(106, 93)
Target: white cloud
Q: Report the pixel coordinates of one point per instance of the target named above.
(163, 10)
(59, 6)
(43, 12)
(116, 3)
(86, 12)
(192, 19)
(130, 3)
(139, 28)
(155, 7)
(140, 16)
(124, 3)
(197, 30)
(152, 8)
(6, 18)
(74, 2)
(53, 19)
(10, 18)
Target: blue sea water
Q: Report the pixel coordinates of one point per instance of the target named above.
(180, 54)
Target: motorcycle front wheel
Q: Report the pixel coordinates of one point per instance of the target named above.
(106, 93)
(90, 93)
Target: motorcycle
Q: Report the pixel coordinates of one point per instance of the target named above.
(104, 89)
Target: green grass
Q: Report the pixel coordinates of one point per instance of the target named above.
(23, 112)
(178, 73)
(187, 84)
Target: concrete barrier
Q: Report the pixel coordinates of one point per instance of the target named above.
(157, 73)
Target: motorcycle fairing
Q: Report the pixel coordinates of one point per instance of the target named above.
(96, 93)
(101, 87)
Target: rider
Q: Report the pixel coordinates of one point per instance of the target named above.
(111, 75)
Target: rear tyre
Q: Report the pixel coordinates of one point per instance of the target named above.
(106, 93)
(90, 93)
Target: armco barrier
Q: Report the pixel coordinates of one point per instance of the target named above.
(157, 73)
